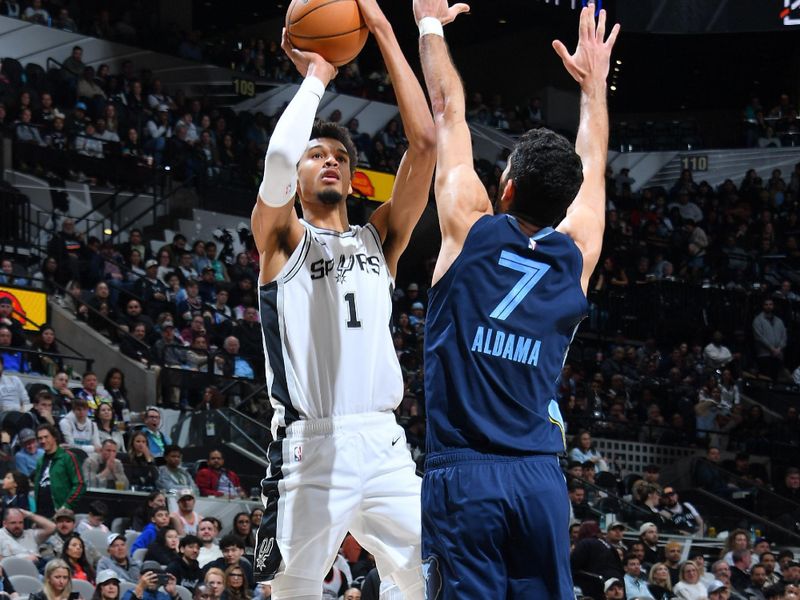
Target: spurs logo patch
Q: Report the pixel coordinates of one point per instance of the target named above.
(264, 551)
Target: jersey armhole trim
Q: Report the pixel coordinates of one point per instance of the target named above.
(374, 231)
(450, 273)
(294, 263)
(300, 258)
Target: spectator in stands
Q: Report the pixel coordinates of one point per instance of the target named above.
(157, 440)
(613, 589)
(118, 560)
(737, 539)
(12, 275)
(233, 549)
(26, 131)
(74, 554)
(742, 560)
(758, 579)
(173, 477)
(230, 363)
(107, 428)
(134, 345)
(186, 569)
(791, 573)
(142, 470)
(710, 476)
(594, 554)
(209, 549)
(164, 550)
(29, 453)
(584, 451)
(45, 342)
(152, 290)
(681, 517)
(672, 560)
(159, 519)
(716, 354)
(235, 584)
(579, 507)
(207, 286)
(61, 397)
(13, 360)
(769, 561)
(107, 585)
(95, 518)
(158, 131)
(15, 491)
(58, 480)
(216, 480)
(214, 580)
(65, 528)
(790, 487)
(78, 429)
(93, 395)
(689, 587)
(13, 395)
(57, 582)
(141, 515)
(769, 334)
(73, 66)
(635, 582)
(147, 586)
(186, 518)
(64, 22)
(659, 583)
(104, 470)
(243, 527)
(16, 540)
(7, 320)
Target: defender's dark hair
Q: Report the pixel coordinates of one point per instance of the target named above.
(547, 174)
(334, 131)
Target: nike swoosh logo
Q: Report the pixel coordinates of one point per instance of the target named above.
(397, 439)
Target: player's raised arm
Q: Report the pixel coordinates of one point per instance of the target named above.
(460, 196)
(276, 229)
(589, 66)
(396, 219)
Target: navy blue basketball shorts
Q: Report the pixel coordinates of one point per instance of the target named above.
(495, 527)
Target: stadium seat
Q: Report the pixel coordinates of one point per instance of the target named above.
(14, 565)
(138, 554)
(124, 586)
(84, 588)
(120, 524)
(184, 593)
(130, 537)
(25, 584)
(98, 539)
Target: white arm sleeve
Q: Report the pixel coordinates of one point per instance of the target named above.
(287, 144)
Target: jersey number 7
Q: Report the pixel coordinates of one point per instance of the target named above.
(532, 272)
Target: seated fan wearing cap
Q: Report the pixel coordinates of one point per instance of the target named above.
(29, 452)
(118, 561)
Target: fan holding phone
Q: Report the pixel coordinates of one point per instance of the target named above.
(153, 577)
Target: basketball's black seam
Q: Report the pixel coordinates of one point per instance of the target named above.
(313, 9)
(325, 37)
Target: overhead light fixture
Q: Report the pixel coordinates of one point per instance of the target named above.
(502, 21)
(613, 88)
(616, 69)
(619, 62)
(107, 231)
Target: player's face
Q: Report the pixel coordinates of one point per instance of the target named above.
(324, 172)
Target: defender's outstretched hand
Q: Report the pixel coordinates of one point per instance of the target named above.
(308, 63)
(589, 64)
(439, 10)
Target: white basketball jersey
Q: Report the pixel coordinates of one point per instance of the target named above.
(326, 324)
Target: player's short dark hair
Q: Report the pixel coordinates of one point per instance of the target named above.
(188, 540)
(547, 173)
(334, 131)
(231, 540)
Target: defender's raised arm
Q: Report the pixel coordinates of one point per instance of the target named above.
(589, 66)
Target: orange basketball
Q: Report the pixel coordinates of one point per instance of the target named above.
(334, 29)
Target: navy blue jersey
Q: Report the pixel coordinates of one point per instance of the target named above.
(498, 328)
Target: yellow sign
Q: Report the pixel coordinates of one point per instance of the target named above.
(373, 185)
(30, 306)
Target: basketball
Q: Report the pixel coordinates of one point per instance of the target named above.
(334, 29)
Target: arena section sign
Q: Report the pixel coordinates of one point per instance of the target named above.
(30, 306)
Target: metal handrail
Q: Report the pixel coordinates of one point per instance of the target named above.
(240, 430)
(89, 361)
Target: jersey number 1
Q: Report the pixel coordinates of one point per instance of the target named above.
(532, 271)
(352, 321)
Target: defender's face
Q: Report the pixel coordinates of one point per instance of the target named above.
(324, 172)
